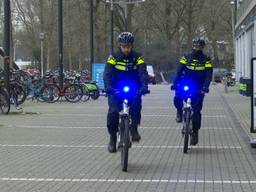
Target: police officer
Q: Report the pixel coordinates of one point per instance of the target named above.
(122, 67)
(196, 68)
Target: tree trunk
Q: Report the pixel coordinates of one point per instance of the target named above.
(70, 35)
(190, 23)
(215, 53)
(80, 57)
(48, 57)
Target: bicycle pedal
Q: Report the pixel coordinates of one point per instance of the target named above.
(119, 146)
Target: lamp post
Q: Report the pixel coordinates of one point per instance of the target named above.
(233, 11)
(112, 28)
(16, 44)
(42, 36)
(91, 36)
(6, 42)
(60, 30)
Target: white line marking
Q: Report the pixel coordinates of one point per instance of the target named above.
(131, 180)
(99, 115)
(145, 107)
(59, 127)
(135, 146)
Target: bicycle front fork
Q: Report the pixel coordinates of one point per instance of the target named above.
(187, 113)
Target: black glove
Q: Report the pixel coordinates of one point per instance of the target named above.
(173, 87)
(205, 90)
(143, 91)
(109, 90)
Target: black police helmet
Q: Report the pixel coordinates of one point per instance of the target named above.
(198, 41)
(126, 38)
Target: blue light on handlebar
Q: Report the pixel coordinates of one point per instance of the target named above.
(186, 88)
(126, 89)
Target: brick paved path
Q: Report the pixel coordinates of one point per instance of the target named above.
(62, 148)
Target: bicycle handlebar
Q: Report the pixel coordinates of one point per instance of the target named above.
(200, 91)
(116, 92)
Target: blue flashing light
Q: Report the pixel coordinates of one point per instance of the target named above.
(185, 88)
(126, 89)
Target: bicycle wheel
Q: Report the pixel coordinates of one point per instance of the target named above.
(73, 93)
(21, 93)
(126, 144)
(186, 130)
(95, 94)
(4, 102)
(50, 93)
(18, 93)
(86, 94)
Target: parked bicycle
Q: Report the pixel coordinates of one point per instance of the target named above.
(4, 100)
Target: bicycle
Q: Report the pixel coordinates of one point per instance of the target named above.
(91, 88)
(4, 100)
(124, 136)
(70, 90)
(17, 93)
(76, 79)
(188, 94)
(40, 90)
(187, 123)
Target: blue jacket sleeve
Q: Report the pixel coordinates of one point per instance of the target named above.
(179, 73)
(209, 72)
(108, 73)
(142, 69)
(208, 78)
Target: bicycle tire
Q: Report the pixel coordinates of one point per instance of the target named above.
(86, 94)
(22, 95)
(18, 93)
(50, 93)
(75, 94)
(95, 94)
(4, 102)
(186, 133)
(126, 144)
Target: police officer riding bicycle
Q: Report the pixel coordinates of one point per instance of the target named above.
(194, 67)
(124, 66)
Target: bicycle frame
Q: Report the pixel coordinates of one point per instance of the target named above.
(188, 103)
(187, 130)
(124, 114)
(187, 109)
(125, 111)
(35, 87)
(124, 141)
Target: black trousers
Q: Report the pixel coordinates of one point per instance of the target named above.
(197, 105)
(115, 106)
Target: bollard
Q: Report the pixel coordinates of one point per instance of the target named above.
(225, 84)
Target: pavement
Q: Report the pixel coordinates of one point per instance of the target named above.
(241, 107)
(62, 147)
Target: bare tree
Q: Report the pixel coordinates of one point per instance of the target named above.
(163, 29)
(217, 25)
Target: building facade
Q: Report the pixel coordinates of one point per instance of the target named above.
(244, 14)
